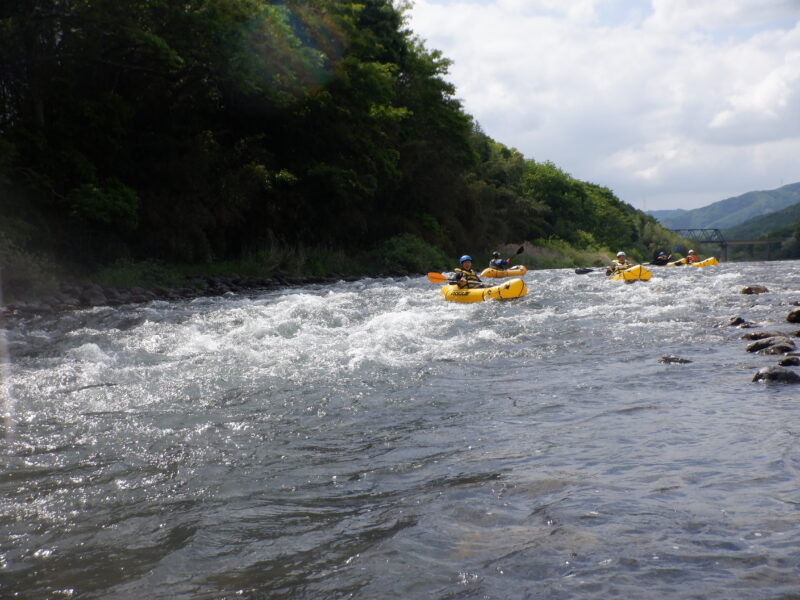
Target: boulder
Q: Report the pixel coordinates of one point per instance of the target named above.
(741, 323)
(777, 374)
(772, 345)
(790, 361)
(754, 289)
(93, 296)
(794, 316)
(779, 348)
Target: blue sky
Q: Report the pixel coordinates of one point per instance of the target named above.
(670, 103)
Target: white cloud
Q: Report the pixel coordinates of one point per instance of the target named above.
(669, 99)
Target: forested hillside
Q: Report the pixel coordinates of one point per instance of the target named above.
(781, 220)
(731, 212)
(782, 225)
(210, 130)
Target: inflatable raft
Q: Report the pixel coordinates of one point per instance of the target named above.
(514, 288)
(635, 273)
(703, 263)
(516, 271)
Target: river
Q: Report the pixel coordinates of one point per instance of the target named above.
(368, 440)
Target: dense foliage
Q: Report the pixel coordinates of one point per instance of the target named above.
(208, 130)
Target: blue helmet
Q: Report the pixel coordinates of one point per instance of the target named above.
(463, 258)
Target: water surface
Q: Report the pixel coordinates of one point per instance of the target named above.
(369, 440)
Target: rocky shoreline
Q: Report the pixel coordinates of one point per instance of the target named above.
(75, 296)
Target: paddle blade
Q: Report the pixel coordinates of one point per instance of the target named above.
(520, 250)
(583, 270)
(436, 278)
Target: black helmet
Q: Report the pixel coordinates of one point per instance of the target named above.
(495, 254)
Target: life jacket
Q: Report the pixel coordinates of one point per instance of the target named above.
(620, 266)
(470, 276)
(499, 263)
(692, 258)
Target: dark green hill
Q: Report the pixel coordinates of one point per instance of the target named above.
(777, 224)
(728, 213)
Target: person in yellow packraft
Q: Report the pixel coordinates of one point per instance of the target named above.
(619, 264)
(498, 263)
(466, 277)
(661, 259)
(690, 258)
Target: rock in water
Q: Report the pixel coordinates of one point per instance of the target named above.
(772, 345)
(777, 374)
(754, 289)
(671, 359)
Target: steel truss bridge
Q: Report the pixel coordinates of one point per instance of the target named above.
(714, 236)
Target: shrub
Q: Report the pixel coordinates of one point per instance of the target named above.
(408, 252)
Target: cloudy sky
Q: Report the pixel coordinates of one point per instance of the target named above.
(670, 103)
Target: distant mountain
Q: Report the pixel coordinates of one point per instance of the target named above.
(777, 224)
(728, 213)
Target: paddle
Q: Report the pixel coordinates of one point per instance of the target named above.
(439, 278)
(520, 250)
(434, 277)
(584, 270)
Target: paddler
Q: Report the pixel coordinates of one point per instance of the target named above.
(690, 258)
(661, 259)
(619, 264)
(501, 264)
(466, 277)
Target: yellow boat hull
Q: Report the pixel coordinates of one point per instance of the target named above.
(516, 271)
(710, 261)
(635, 273)
(514, 288)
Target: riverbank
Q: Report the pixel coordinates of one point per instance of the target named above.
(73, 296)
(133, 283)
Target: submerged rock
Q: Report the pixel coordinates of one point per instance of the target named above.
(671, 359)
(794, 316)
(754, 289)
(777, 374)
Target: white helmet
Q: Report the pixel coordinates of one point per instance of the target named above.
(691, 251)
(620, 254)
